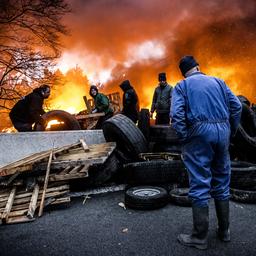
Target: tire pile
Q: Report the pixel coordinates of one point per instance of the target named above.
(152, 184)
(149, 183)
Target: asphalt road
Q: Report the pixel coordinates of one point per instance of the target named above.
(102, 227)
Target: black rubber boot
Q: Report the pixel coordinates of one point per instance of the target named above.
(222, 212)
(198, 238)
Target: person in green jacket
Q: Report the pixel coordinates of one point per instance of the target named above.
(101, 103)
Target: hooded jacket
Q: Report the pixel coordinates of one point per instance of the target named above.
(101, 101)
(130, 101)
(28, 109)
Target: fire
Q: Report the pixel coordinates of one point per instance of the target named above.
(69, 99)
(9, 130)
(53, 122)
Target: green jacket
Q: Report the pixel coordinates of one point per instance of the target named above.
(101, 102)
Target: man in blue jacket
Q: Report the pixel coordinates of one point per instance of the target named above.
(205, 114)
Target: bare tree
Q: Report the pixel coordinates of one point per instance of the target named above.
(30, 33)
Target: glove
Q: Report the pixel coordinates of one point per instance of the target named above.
(94, 111)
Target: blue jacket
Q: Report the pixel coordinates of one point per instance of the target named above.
(200, 98)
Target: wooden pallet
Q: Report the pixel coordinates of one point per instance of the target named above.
(26, 163)
(18, 205)
(76, 162)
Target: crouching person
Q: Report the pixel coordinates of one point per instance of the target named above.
(101, 103)
(29, 109)
(205, 113)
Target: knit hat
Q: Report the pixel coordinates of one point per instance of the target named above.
(161, 77)
(186, 63)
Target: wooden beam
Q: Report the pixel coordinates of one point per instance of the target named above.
(87, 104)
(8, 206)
(45, 184)
(84, 145)
(33, 202)
(90, 115)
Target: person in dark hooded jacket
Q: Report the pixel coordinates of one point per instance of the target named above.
(29, 109)
(130, 101)
(101, 104)
(161, 102)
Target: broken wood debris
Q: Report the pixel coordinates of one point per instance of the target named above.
(52, 171)
(20, 205)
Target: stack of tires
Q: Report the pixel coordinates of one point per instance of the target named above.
(161, 138)
(244, 142)
(147, 181)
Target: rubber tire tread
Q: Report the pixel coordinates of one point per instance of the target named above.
(67, 118)
(126, 134)
(146, 203)
(155, 172)
(243, 196)
(163, 133)
(101, 173)
(179, 196)
(144, 122)
(243, 175)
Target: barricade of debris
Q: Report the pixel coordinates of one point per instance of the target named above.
(146, 157)
(42, 179)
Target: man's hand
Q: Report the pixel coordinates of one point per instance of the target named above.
(151, 114)
(94, 111)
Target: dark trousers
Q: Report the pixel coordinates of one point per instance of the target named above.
(102, 119)
(22, 127)
(163, 118)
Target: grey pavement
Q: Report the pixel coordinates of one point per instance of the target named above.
(101, 227)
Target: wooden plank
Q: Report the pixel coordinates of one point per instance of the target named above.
(24, 194)
(87, 104)
(68, 176)
(26, 200)
(75, 170)
(84, 145)
(84, 169)
(33, 202)
(17, 213)
(45, 184)
(11, 171)
(8, 206)
(61, 200)
(65, 171)
(26, 163)
(17, 207)
(89, 116)
(19, 219)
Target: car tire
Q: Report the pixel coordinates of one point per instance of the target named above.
(144, 122)
(179, 196)
(126, 134)
(155, 172)
(146, 197)
(163, 133)
(243, 196)
(70, 122)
